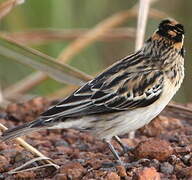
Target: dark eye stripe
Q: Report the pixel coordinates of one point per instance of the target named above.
(180, 28)
(175, 28)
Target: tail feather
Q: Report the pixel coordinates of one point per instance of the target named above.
(22, 130)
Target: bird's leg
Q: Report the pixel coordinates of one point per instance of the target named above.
(114, 152)
(125, 148)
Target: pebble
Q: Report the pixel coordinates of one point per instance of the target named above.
(3, 146)
(4, 163)
(155, 163)
(182, 150)
(61, 143)
(112, 176)
(148, 174)
(73, 170)
(121, 171)
(153, 149)
(60, 177)
(2, 177)
(166, 168)
(24, 175)
(173, 159)
(185, 172)
(81, 156)
(186, 158)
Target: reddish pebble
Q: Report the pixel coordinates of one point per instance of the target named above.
(112, 176)
(149, 174)
(24, 175)
(185, 172)
(4, 163)
(3, 146)
(121, 171)
(60, 177)
(154, 149)
(72, 170)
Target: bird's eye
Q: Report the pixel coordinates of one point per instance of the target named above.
(179, 28)
(172, 33)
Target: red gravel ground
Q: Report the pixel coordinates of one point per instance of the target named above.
(161, 150)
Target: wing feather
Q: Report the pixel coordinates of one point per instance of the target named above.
(124, 86)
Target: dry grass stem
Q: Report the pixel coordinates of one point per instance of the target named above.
(85, 40)
(179, 107)
(62, 92)
(96, 33)
(43, 36)
(16, 51)
(23, 167)
(141, 23)
(141, 27)
(1, 95)
(7, 6)
(24, 85)
(101, 29)
(65, 91)
(157, 14)
(31, 149)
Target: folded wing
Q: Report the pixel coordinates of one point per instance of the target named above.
(124, 86)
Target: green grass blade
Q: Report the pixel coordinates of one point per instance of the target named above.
(42, 62)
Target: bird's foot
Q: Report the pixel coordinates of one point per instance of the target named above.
(125, 147)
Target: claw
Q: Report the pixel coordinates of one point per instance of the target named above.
(125, 148)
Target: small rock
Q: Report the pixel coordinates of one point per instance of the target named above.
(182, 150)
(185, 172)
(112, 176)
(61, 143)
(121, 171)
(94, 174)
(154, 149)
(83, 147)
(166, 168)
(94, 163)
(73, 170)
(12, 107)
(24, 175)
(3, 146)
(4, 163)
(186, 158)
(21, 156)
(60, 177)
(2, 177)
(159, 124)
(65, 150)
(173, 159)
(149, 174)
(3, 115)
(190, 161)
(154, 163)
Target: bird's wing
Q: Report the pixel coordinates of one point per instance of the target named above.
(118, 88)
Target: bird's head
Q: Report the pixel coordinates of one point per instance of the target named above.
(171, 31)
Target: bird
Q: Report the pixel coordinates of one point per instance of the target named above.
(125, 96)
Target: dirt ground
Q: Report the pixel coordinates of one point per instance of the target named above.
(161, 150)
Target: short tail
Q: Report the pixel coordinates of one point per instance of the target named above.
(22, 130)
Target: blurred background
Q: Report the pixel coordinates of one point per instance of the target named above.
(82, 15)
